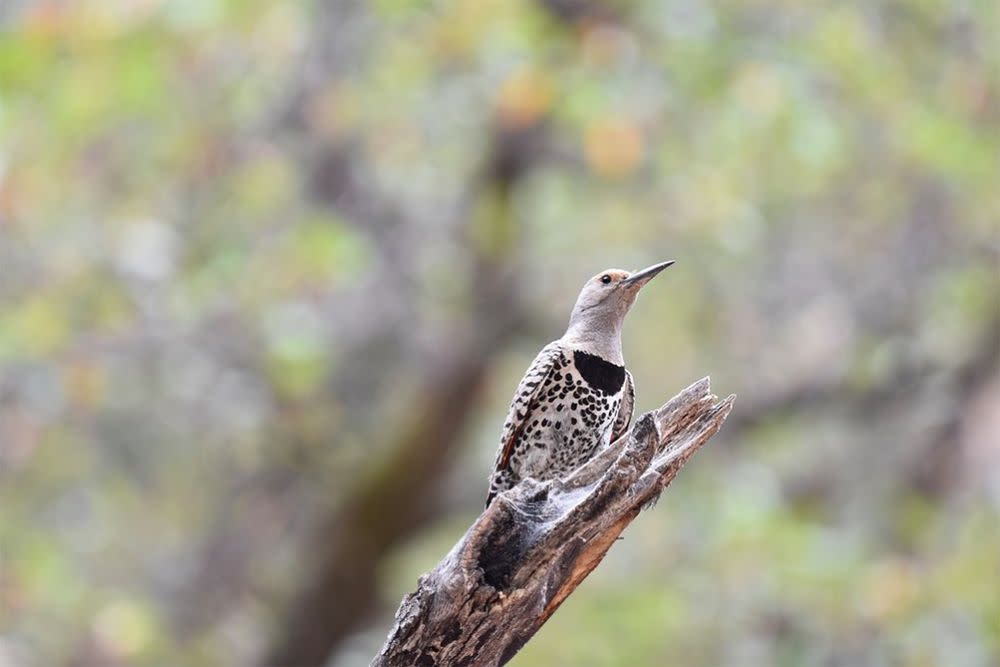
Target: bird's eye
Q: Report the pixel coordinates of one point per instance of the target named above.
(605, 279)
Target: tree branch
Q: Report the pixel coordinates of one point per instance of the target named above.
(534, 545)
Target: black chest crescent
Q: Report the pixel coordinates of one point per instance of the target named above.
(599, 373)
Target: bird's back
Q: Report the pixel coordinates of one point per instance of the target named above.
(567, 407)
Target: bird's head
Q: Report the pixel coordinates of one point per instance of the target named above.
(609, 295)
(596, 323)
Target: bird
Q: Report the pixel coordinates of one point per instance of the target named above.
(576, 397)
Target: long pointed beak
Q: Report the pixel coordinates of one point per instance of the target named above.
(640, 278)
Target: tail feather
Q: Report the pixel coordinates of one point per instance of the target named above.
(500, 482)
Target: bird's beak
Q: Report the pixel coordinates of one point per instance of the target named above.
(640, 278)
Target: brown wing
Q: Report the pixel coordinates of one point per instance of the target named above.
(625, 409)
(525, 401)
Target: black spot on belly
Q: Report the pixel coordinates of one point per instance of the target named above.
(599, 373)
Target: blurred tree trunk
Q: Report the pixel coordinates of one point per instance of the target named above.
(394, 498)
(397, 495)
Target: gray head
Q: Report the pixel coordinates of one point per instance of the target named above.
(596, 323)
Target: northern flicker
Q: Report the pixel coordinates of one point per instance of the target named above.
(576, 397)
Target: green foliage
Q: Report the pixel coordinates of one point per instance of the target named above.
(180, 311)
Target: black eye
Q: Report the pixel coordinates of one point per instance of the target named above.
(605, 279)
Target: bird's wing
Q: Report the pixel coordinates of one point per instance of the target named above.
(525, 399)
(625, 409)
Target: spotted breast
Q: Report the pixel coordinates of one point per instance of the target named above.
(571, 404)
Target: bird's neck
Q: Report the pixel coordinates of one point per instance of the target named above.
(596, 334)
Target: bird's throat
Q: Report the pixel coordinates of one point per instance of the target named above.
(599, 337)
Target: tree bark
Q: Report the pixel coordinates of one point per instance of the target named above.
(534, 544)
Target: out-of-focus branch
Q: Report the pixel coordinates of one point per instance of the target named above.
(574, 12)
(930, 463)
(530, 550)
(899, 383)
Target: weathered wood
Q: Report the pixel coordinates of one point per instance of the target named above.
(535, 543)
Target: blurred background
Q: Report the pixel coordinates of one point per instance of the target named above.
(270, 272)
